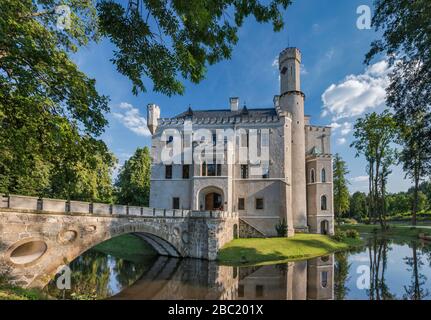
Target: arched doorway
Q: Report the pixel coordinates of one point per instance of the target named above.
(211, 199)
(324, 227)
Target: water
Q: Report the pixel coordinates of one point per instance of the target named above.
(380, 270)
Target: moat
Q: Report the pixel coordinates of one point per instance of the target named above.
(382, 269)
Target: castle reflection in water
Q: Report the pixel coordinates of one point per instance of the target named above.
(171, 278)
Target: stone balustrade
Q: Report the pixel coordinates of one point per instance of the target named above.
(80, 207)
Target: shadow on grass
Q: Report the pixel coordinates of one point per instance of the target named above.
(244, 255)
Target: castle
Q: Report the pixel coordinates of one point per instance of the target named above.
(295, 185)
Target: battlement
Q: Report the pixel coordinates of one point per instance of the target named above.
(290, 53)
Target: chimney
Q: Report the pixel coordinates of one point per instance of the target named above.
(234, 103)
(153, 115)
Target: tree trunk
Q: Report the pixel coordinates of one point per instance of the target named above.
(415, 200)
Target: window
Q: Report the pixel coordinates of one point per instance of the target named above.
(323, 203)
(244, 171)
(214, 139)
(265, 171)
(324, 279)
(186, 171)
(170, 140)
(241, 203)
(175, 203)
(312, 176)
(168, 172)
(259, 291)
(259, 203)
(211, 170)
(323, 175)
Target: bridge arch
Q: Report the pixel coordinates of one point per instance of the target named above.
(35, 259)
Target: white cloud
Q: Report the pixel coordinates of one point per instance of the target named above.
(129, 116)
(346, 127)
(359, 179)
(357, 94)
(303, 70)
(275, 63)
(330, 54)
(341, 141)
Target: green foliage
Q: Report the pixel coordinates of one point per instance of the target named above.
(358, 206)
(281, 228)
(165, 40)
(406, 41)
(133, 182)
(352, 233)
(339, 235)
(50, 113)
(374, 137)
(350, 221)
(341, 191)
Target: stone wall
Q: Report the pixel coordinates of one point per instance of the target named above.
(248, 231)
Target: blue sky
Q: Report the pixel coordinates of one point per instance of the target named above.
(338, 86)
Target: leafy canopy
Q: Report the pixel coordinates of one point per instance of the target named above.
(50, 112)
(165, 40)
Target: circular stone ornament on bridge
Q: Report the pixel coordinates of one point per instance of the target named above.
(90, 228)
(67, 236)
(28, 252)
(185, 237)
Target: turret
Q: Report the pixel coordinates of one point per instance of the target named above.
(292, 101)
(153, 115)
(290, 63)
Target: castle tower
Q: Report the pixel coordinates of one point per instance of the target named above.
(153, 114)
(292, 101)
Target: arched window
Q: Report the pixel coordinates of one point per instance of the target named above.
(312, 176)
(323, 203)
(323, 175)
(324, 279)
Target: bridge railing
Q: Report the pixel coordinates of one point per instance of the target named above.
(63, 206)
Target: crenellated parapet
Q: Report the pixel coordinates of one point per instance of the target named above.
(163, 122)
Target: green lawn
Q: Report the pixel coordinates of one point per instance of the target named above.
(272, 250)
(127, 246)
(9, 292)
(399, 231)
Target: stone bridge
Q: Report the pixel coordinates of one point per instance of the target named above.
(39, 235)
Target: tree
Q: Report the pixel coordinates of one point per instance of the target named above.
(374, 135)
(50, 113)
(415, 156)
(166, 39)
(358, 206)
(133, 182)
(341, 192)
(407, 42)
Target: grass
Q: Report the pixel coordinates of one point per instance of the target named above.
(395, 231)
(277, 250)
(127, 246)
(9, 292)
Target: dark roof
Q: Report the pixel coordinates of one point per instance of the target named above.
(225, 113)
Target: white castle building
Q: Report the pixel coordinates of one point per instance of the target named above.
(296, 185)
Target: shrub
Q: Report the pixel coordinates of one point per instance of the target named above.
(351, 233)
(281, 228)
(339, 235)
(350, 221)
